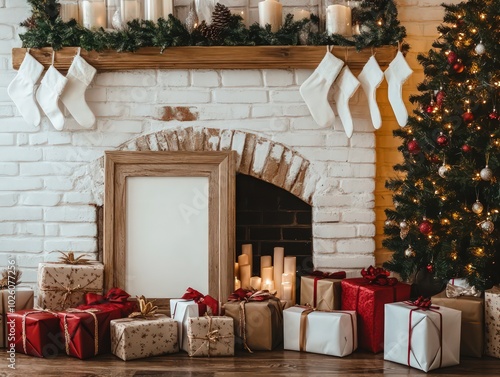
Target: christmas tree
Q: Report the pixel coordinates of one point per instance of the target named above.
(447, 191)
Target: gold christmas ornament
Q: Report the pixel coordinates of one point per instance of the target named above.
(477, 207)
(487, 225)
(486, 173)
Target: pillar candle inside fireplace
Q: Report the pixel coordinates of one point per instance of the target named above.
(265, 261)
(270, 12)
(267, 274)
(237, 270)
(243, 259)
(255, 282)
(93, 14)
(290, 266)
(279, 254)
(247, 249)
(245, 276)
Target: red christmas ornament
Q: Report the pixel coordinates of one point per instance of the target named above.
(466, 148)
(458, 67)
(429, 109)
(440, 98)
(442, 140)
(425, 227)
(413, 147)
(468, 116)
(430, 268)
(435, 159)
(493, 115)
(452, 57)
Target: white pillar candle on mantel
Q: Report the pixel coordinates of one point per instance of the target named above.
(93, 14)
(338, 20)
(279, 254)
(245, 276)
(270, 12)
(300, 14)
(265, 261)
(154, 9)
(255, 282)
(69, 10)
(247, 250)
(130, 10)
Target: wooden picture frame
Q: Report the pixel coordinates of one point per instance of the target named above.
(217, 168)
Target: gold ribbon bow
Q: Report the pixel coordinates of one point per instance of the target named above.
(67, 336)
(69, 258)
(453, 291)
(146, 307)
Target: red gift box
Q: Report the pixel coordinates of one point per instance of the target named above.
(87, 332)
(36, 333)
(115, 298)
(368, 300)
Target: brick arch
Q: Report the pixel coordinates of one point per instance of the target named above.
(257, 156)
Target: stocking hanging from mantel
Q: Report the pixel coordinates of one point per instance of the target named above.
(371, 77)
(396, 74)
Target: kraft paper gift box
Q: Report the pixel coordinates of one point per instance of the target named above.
(87, 332)
(368, 300)
(422, 339)
(320, 293)
(258, 324)
(36, 333)
(492, 321)
(137, 338)
(63, 286)
(329, 333)
(22, 299)
(472, 308)
(210, 336)
(181, 310)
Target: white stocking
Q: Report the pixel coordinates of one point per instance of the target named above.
(396, 75)
(48, 94)
(22, 89)
(344, 88)
(315, 89)
(370, 78)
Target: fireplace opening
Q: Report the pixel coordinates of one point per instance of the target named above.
(268, 216)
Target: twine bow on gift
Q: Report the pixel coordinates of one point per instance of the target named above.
(147, 310)
(453, 291)
(378, 276)
(67, 336)
(10, 278)
(23, 323)
(69, 258)
(211, 337)
(199, 298)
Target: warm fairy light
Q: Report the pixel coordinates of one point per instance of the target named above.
(479, 252)
(379, 23)
(483, 16)
(415, 201)
(478, 128)
(454, 256)
(436, 192)
(484, 101)
(430, 236)
(447, 52)
(467, 102)
(449, 126)
(474, 31)
(419, 119)
(492, 135)
(443, 198)
(445, 221)
(440, 118)
(470, 87)
(410, 132)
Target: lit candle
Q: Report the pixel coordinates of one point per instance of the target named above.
(279, 254)
(338, 20)
(247, 249)
(237, 270)
(268, 285)
(93, 13)
(237, 283)
(245, 276)
(267, 273)
(265, 261)
(69, 10)
(299, 14)
(130, 10)
(270, 13)
(243, 259)
(286, 291)
(255, 282)
(290, 266)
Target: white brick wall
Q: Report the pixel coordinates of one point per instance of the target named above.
(43, 208)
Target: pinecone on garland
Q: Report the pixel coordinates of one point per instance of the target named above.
(220, 20)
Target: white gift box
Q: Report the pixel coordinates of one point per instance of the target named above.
(328, 333)
(422, 339)
(180, 311)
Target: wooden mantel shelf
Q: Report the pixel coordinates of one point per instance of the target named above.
(213, 57)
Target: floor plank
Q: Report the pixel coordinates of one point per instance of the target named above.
(277, 364)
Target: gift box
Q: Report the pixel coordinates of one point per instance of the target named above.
(87, 332)
(36, 333)
(258, 319)
(368, 300)
(210, 336)
(180, 311)
(115, 298)
(321, 290)
(206, 304)
(137, 338)
(22, 298)
(63, 286)
(425, 339)
(329, 333)
(472, 309)
(492, 321)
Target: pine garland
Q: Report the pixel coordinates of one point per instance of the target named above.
(46, 29)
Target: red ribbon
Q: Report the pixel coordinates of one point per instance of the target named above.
(115, 298)
(319, 275)
(378, 276)
(202, 301)
(250, 295)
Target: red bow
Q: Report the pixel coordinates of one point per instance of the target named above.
(422, 303)
(250, 295)
(329, 275)
(378, 276)
(202, 301)
(115, 298)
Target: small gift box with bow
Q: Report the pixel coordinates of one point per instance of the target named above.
(492, 321)
(143, 334)
(258, 319)
(23, 300)
(322, 290)
(326, 332)
(115, 298)
(87, 332)
(64, 284)
(367, 296)
(472, 308)
(421, 335)
(210, 336)
(36, 332)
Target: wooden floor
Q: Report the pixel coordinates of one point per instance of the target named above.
(276, 363)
